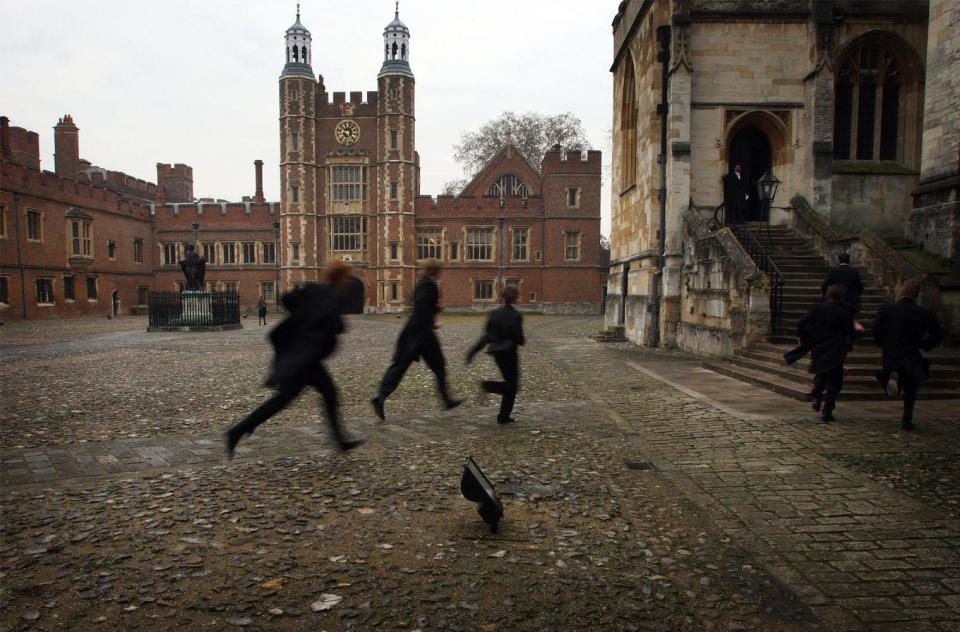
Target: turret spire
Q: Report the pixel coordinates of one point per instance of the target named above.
(396, 47)
(298, 53)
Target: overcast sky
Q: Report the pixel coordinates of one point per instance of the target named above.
(196, 81)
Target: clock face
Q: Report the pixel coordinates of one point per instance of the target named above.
(347, 132)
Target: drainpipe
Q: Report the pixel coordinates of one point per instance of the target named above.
(502, 222)
(663, 56)
(23, 280)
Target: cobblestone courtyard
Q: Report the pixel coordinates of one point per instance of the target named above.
(641, 493)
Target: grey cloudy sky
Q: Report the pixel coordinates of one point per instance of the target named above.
(196, 81)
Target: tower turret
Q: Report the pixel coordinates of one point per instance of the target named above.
(396, 47)
(298, 53)
(299, 226)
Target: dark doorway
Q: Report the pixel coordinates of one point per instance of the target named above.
(750, 148)
(354, 297)
(115, 299)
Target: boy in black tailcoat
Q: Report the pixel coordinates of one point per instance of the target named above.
(502, 338)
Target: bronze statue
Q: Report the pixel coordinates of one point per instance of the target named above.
(194, 269)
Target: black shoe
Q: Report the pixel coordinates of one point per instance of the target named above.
(453, 403)
(506, 420)
(349, 444)
(377, 403)
(816, 403)
(827, 418)
(907, 425)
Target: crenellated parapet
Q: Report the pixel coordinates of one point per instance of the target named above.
(237, 215)
(338, 104)
(571, 161)
(32, 182)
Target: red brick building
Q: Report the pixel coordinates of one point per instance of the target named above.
(350, 189)
(91, 241)
(86, 240)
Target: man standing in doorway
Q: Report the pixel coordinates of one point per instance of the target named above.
(736, 193)
(418, 340)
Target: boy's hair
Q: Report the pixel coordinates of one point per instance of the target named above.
(510, 294)
(835, 293)
(431, 268)
(337, 271)
(844, 257)
(910, 289)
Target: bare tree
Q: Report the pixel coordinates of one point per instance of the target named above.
(532, 133)
(453, 187)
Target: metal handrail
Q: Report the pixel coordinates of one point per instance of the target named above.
(719, 218)
(766, 263)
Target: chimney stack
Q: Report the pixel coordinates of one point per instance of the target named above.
(258, 195)
(4, 136)
(66, 147)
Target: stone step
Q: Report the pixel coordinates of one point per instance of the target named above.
(801, 391)
(857, 363)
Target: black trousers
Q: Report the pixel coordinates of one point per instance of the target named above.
(319, 379)
(509, 365)
(433, 356)
(826, 387)
(906, 385)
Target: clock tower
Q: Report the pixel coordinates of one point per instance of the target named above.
(349, 172)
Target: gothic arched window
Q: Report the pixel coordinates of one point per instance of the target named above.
(296, 54)
(403, 51)
(867, 104)
(303, 54)
(394, 49)
(628, 125)
(508, 186)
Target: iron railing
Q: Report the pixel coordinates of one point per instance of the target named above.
(194, 309)
(766, 263)
(719, 218)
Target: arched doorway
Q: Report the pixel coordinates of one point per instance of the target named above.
(355, 294)
(115, 301)
(751, 149)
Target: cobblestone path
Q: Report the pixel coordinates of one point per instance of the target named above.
(642, 493)
(859, 554)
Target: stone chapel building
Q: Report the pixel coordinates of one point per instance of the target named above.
(850, 104)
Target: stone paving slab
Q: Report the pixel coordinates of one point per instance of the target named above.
(755, 462)
(125, 456)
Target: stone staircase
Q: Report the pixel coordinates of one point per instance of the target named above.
(615, 333)
(803, 270)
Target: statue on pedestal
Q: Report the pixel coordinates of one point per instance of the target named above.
(194, 269)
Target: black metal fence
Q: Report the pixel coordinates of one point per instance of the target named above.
(765, 262)
(194, 309)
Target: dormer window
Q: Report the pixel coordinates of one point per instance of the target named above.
(509, 186)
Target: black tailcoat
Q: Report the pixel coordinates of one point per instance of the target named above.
(825, 331)
(848, 278)
(735, 192)
(902, 329)
(307, 335)
(419, 328)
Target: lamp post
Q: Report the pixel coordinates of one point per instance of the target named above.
(196, 236)
(276, 260)
(766, 191)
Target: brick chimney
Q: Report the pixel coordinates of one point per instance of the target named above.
(4, 136)
(66, 147)
(258, 195)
